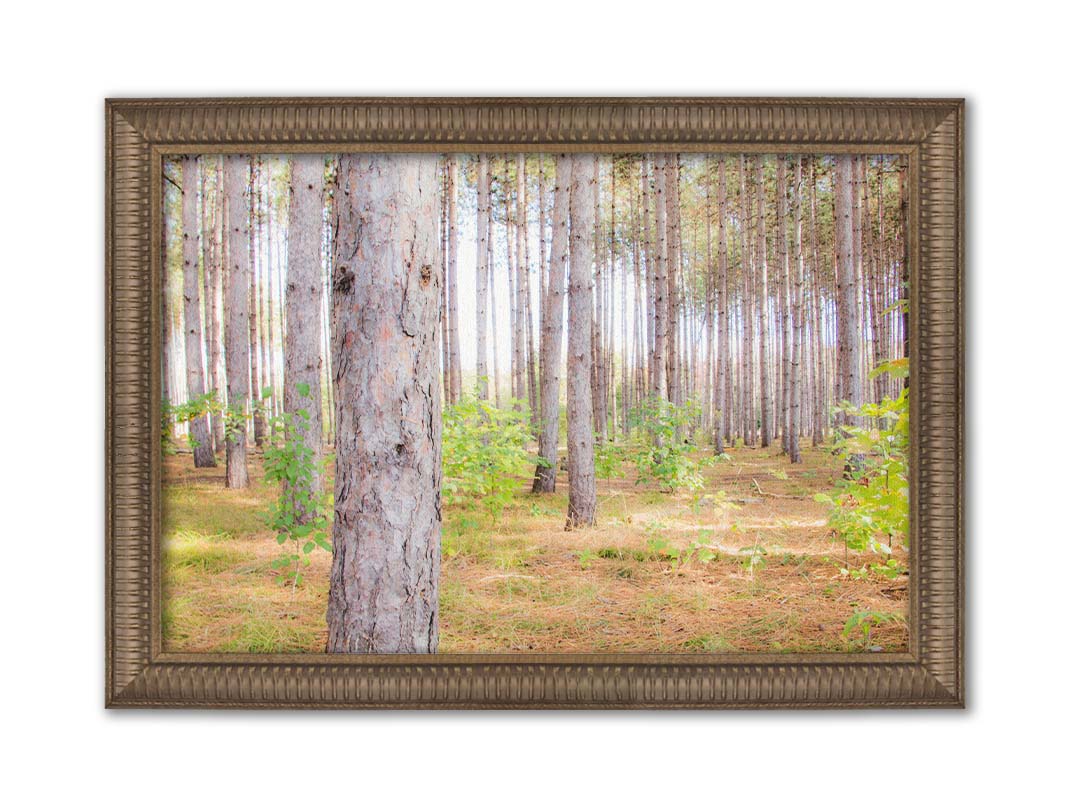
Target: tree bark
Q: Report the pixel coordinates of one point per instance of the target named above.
(581, 504)
(552, 332)
(482, 278)
(386, 304)
(851, 388)
(722, 392)
(797, 300)
(455, 372)
(199, 427)
(659, 368)
(303, 302)
(237, 190)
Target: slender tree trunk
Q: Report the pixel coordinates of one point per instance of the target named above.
(797, 341)
(766, 423)
(722, 394)
(218, 281)
(709, 310)
(303, 300)
(851, 388)
(258, 426)
(818, 399)
(552, 332)
(492, 307)
(199, 429)
(581, 503)
(237, 345)
(674, 327)
(482, 276)
(446, 349)
(386, 305)
(659, 371)
(650, 283)
(542, 266)
(456, 375)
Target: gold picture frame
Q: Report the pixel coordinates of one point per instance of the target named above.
(141, 133)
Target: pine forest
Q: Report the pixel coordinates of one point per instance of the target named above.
(535, 402)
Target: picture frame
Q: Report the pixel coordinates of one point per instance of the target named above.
(141, 133)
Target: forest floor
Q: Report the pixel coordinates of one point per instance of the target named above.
(770, 579)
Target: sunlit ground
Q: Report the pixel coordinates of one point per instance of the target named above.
(769, 580)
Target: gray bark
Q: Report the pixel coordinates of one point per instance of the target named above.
(581, 504)
(236, 191)
(659, 364)
(199, 429)
(303, 305)
(482, 277)
(386, 306)
(722, 391)
(552, 333)
(455, 376)
(851, 387)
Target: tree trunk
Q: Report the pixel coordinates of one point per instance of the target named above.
(256, 388)
(818, 398)
(797, 341)
(303, 302)
(552, 333)
(722, 392)
(581, 504)
(482, 278)
(199, 429)
(214, 307)
(659, 368)
(518, 332)
(851, 388)
(386, 304)
(455, 372)
(236, 189)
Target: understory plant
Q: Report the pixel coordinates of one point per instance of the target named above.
(662, 455)
(484, 457)
(299, 516)
(869, 507)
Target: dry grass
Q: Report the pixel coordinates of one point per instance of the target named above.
(523, 584)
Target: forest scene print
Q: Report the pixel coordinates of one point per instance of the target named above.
(535, 403)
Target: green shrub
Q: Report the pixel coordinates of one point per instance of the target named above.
(299, 517)
(484, 453)
(662, 457)
(869, 508)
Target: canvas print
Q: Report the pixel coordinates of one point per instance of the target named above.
(535, 403)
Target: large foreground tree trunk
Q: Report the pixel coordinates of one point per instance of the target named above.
(203, 453)
(386, 304)
(303, 308)
(552, 332)
(236, 189)
(581, 505)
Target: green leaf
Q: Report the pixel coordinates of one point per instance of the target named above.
(303, 389)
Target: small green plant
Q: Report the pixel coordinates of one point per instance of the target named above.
(484, 453)
(608, 460)
(869, 507)
(299, 516)
(755, 557)
(698, 550)
(662, 457)
(865, 620)
(586, 557)
(194, 408)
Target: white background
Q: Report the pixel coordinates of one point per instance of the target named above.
(57, 67)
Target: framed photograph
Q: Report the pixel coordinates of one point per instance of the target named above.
(534, 403)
